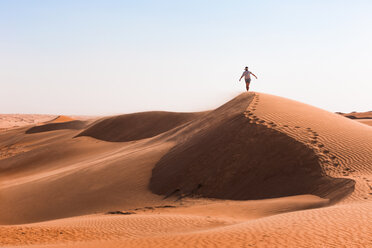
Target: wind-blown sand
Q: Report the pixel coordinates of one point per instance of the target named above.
(260, 171)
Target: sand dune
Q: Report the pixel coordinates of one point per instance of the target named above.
(362, 117)
(366, 121)
(341, 144)
(137, 126)
(58, 179)
(75, 125)
(358, 115)
(8, 121)
(61, 118)
(256, 157)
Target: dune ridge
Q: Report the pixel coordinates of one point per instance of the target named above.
(75, 125)
(256, 157)
(60, 118)
(137, 126)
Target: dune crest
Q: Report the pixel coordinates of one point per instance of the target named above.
(60, 118)
(137, 126)
(74, 125)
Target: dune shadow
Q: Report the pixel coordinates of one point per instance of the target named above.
(238, 160)
(137, 126)
(72, 125)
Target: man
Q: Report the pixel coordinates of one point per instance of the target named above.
(247, 76)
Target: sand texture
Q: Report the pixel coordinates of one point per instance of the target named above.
(259, 171)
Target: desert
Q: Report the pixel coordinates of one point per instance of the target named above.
(185, 124)
(258, 171)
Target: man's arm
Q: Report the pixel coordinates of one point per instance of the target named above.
(254, 75)
(241, 77)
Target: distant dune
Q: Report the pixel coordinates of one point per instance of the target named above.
(8, 121)
(61, 118)
(358, 115)
(259, 171)
(362, 117)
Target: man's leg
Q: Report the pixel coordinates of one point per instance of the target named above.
(247, 82)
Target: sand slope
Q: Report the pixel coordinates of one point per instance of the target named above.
(256, 146)
(137, 126)
(258, 162)
(366, 121)
(342, 145)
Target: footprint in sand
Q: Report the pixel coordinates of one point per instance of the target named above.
(350, 170)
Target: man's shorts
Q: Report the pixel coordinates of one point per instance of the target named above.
(247, 80)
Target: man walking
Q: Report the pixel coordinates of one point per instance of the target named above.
(247, 76)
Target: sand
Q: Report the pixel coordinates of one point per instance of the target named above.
(362, 117)
(358, 115)
(260, 171)
(8, 121)
(365, 121)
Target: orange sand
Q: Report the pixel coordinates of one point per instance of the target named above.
(59, 179)
(365, 121)
(61, 118)
(358, 115)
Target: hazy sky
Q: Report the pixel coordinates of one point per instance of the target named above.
(108, 57)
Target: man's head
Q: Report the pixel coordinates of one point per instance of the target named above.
(246, 68)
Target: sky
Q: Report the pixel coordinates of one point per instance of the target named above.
(110, 57)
